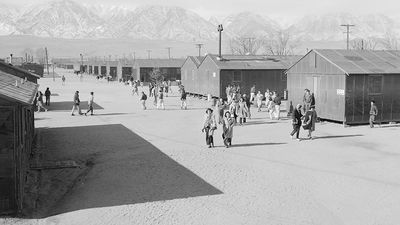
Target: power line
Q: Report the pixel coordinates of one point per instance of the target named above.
(348, 32)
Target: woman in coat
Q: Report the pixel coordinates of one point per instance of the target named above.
(309, 121)
(227, 129)
(209, 126)
(242, 111)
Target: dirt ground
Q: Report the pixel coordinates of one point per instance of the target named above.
(153, 167)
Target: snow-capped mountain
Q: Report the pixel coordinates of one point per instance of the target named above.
(7, 24)
(162, 22)
(250, 24)
(65, 18)
(328, 26)
(71, 19)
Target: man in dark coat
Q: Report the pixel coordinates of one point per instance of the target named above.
(296, 121)
(47, 94)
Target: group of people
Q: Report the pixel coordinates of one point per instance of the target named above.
(210, 125)
(304, 116)
(158, 91)
(77, 101)
(38, 102)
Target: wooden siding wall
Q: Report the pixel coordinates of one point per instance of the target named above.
(208, 78)
(274, 80)
(326, 81)
(358, 99)
(20, 133)
(188, 80)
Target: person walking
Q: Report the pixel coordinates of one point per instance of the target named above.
(259, 98)
(277, 105)
(160, 102)
(183, 99)
(143, 99)
(209, 127)
(307, 99)
(63, 80)
(227, 129)
(135, 89)
(296, 122)
(248, 104)
(40, 102)
(233, 109)
(47, 94)
(90, 104)
(252, 92)
(76, 104)
(154, 94)
(309, 121)
(220, 109)
(242, 111)
(373, 112)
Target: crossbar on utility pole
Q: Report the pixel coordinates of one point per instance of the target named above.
(348, 32)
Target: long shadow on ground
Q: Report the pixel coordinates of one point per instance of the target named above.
(338, 136)
(256, 144)
(67, 106)
(125, 169)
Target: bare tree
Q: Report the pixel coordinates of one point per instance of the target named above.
(364, 44)
(390, 41)
(282, 43)
(245, 45)
(156, 76)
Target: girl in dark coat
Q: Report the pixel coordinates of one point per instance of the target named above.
(309, 121)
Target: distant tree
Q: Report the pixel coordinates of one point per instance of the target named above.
(282, 43)
(245, 45)
(364, 44)
(390, 41)
(156, 76)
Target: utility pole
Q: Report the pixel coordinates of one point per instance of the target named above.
(220, 29)
(148, 54)
(82, 69)
(169, 52)
(47, 61)
(348, 32)
(199, 47)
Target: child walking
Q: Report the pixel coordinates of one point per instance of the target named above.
(209, 127)
(227, 129)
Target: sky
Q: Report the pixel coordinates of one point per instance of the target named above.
(284, 10)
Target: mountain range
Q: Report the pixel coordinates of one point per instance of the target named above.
(72, 20)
